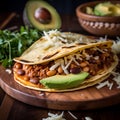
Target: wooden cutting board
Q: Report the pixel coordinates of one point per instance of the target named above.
(90, 98)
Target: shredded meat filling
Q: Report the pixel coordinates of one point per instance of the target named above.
(90, 60)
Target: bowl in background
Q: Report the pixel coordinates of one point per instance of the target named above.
(98, 25)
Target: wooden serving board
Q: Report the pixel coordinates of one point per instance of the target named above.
(89, 98)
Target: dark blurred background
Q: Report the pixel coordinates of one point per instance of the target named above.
(62, 6)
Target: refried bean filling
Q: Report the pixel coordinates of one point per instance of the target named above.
(90, 60)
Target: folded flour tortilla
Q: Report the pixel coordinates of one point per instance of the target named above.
(57, 49)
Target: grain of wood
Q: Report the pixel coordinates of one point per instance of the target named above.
(5, 107)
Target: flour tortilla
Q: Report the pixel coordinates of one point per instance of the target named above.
(38, 53)
(41, 52)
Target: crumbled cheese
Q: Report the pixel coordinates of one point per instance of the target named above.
(116, 43)
(88, 57)
(41, 94)
(103, 39)
(47, 36)
(8, 71)
(54, 116)
(105, 83)
(65, 70)
(57, 38)
(54, 66)
(73, 59)
(51, 37)
(110, 86)
(84, 53)
(100, 85)
(116, 46)
(61, 63)
(73, 115)
(65, 62)
(81, 39)
(88, 118)
(62, 39)
(68, 64)
(78, 56)
(116, 78)
(96, 57)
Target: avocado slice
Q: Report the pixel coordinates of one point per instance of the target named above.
(103, 9)
(89, 10)
(116, 10)
(107, 9)
(46, 12)
(64, 81)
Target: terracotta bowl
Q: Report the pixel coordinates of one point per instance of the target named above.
(97, 25)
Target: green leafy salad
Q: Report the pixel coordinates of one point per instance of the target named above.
(14, 43)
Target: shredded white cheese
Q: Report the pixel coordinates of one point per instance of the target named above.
(56, 38)
(8, 71)
(52, 116)
(100, 85)
(65, 70)
(96, 57)
(54, 66)
(41, 94)
(78, 56)
(73, 115)
(59, 62)
(68, 64)
(110, 86)
(116, 78)
(62, 39)
(105, 83)
(73, 59)
(88, 118)
(103, 38)
(116, 46)
(65, 62)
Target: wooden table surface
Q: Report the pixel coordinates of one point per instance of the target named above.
(11, 109)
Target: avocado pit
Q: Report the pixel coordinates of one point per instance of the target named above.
(42, 15)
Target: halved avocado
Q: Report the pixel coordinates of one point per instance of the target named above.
(53, 18)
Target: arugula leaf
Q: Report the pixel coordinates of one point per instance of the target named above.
(13, 44)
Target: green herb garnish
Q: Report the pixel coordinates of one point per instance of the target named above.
(13, 44)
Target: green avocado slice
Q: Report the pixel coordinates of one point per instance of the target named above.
(64, 81)
(103, 9)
